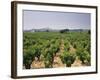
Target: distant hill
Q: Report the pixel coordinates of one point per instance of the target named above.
(55, 30)
(42, 30)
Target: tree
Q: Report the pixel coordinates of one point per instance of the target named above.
(68, 58)
(84, 56)
(28, 58)
(37, 51)
(48, 60)
(64, 30)
(89, 32)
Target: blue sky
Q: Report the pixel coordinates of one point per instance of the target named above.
(55, 20)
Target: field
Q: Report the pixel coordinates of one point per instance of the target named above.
(56, 49)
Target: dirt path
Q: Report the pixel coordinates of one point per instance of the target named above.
(37, 64)
(77, 62)
(57, 60)
(72, 49)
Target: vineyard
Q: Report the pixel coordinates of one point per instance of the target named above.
(56, 49)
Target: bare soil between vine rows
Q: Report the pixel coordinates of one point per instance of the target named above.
(57, 60)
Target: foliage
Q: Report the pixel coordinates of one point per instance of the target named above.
(45, 45)
(68, 58)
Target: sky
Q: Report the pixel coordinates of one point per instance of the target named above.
(55, 20)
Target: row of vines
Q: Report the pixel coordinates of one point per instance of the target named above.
(44, 46)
